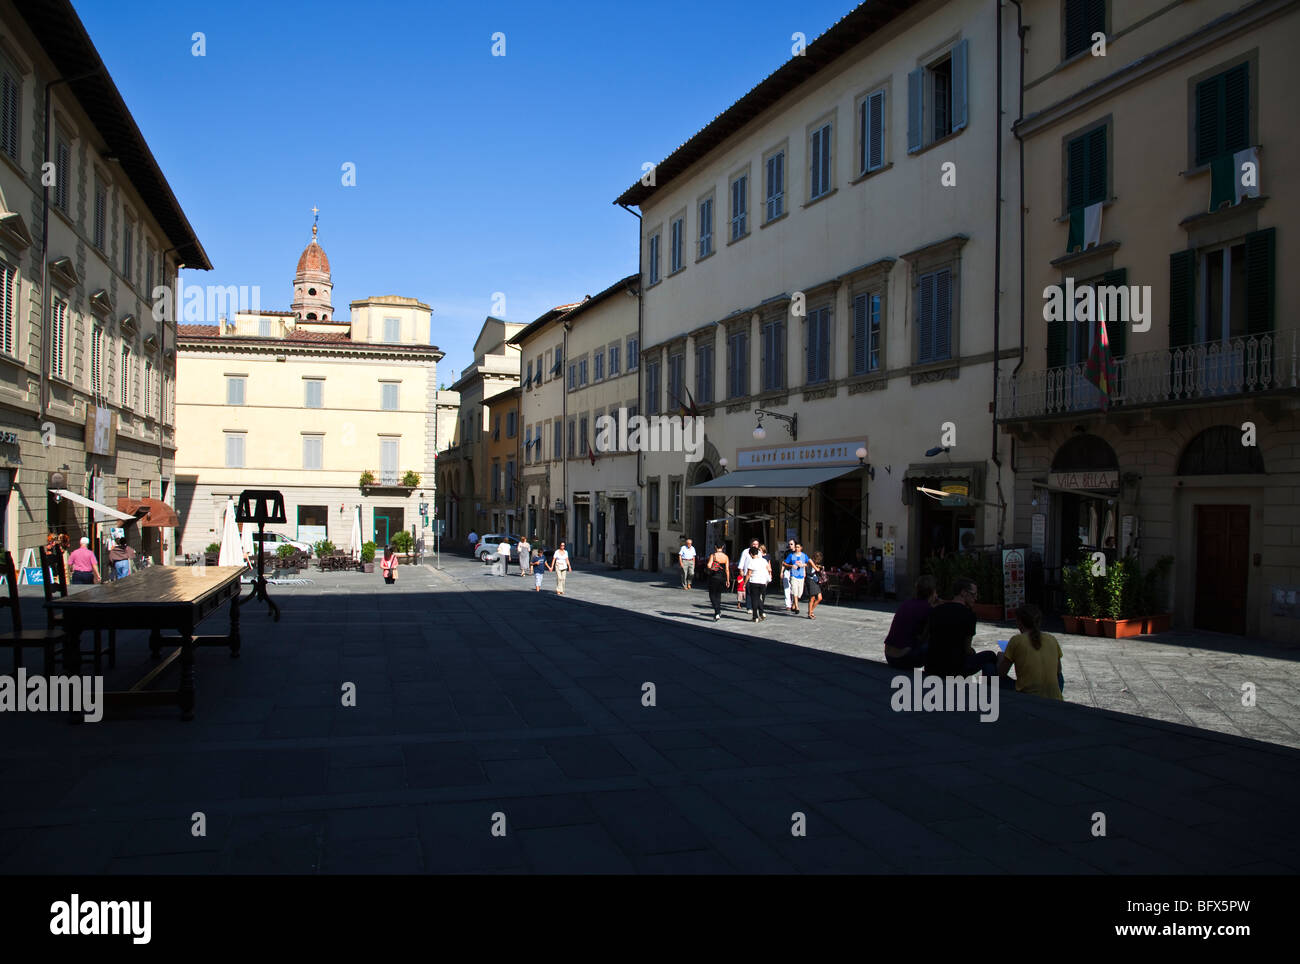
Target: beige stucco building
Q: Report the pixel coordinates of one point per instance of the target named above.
(464, 469)
(80, 344)
(827, 249)
(1183, 132)
(304, 403)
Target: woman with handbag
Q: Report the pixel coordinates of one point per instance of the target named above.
(719, 567)
(816, 576)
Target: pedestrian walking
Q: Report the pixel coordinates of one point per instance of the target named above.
(473, 541)
(560, 565)
(539, 569)
(388, 566)
(719, 567)
(525, 556)
(686, 559)
(419, 550)
(785, 573)
(503, 555)
(816, 576)
(759, 574)
(121, 557)
(742, 575)
(793, 569)
(85, 570)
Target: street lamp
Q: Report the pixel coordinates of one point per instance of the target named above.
(791, 424)
(722, 463)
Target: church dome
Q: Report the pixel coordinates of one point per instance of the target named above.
(313, 260)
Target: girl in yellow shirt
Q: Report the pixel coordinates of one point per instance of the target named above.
(1036, 655)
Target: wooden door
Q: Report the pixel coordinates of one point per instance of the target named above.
(1222, 561)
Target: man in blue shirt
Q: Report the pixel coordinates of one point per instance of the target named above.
(795, 562)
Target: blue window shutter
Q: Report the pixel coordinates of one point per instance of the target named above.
(813, 347)
(925, 319)
(942, 315)
(960, 56)
(915, 109)
(876, 129)
(861, 335)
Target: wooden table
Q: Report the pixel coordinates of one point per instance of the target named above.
(155, 599)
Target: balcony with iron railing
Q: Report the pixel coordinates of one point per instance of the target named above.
(1252, 365)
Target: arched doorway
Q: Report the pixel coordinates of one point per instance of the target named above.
(1222, 531)
(1084, 522)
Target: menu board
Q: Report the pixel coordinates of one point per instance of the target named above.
(1013, 581)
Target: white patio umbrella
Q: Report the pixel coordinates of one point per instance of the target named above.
(356, 533)
(231, 548)
(246, 539)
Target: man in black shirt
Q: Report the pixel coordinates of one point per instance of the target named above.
(952, 627)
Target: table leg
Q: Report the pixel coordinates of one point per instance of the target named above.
(186, 693)
(234, 627)
(155, 643)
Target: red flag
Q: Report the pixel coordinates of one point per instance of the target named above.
(591, 452)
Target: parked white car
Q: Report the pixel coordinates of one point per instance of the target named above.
(274, 540)
(486, 549)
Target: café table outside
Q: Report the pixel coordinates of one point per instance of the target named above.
(157, 598)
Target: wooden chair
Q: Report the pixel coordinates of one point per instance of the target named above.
(833, 591)
(19, 638)
(55, 580)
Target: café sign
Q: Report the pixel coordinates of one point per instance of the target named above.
(1105, 479)
(802, 455)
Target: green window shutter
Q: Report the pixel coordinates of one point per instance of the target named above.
(1056, 333)
(1209, 119)
(1182, 298)
(1236, 106)
(1076, 175)
(1096, 166)
(1116, 329)
(1260, 280)
(1083, 18)
(915, 109)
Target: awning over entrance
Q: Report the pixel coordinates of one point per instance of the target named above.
(160, 513)
(771, 483)
(91, 504)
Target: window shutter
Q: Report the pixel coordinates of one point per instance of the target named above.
(1209, 119)
(1097, 187)
(1116, 329)
(813, 346)
(960, 55)
(925, 319)
(824, 361)
(1056, 333)
(943, 315)
(1076, 28)
(1236, 109)
(876, 129)
(1260, 280)
(915, 109)
(861, 334)
(1182, 298)
(1076, 174)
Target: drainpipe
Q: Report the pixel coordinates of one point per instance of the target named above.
(564, 429)
(997, 273)
(1021, 30)
(640, 332)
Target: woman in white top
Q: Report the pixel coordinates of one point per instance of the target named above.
(759, 573)
(559, 564)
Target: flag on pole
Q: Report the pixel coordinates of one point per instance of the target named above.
(591, 452)
(688, 409)
(1100, 369)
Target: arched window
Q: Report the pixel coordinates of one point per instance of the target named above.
(1085, 453)
(1218, 451)
(311, 316)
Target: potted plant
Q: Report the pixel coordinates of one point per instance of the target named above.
(286, 554)
(1119, 617)
(988, 581)
(211, 554)
(1078, 598)
(411, 479)
(367, 478)
(368, 557)
(1152, 597)
(403, 542)
(323, 548)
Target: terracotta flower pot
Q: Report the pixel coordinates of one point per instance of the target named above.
(370, 566)
(1121, 628)
(1159, 623)
(1073, 625)
(1090, 625)
(988, 612)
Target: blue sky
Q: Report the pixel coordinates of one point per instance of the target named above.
(474, 174)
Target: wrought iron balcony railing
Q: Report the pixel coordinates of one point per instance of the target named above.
(1207, 371)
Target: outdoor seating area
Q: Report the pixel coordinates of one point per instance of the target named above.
(338, 561)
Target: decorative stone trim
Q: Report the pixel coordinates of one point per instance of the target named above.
(825, 392)
(869, 385)
(734, 407)
(935, 375)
